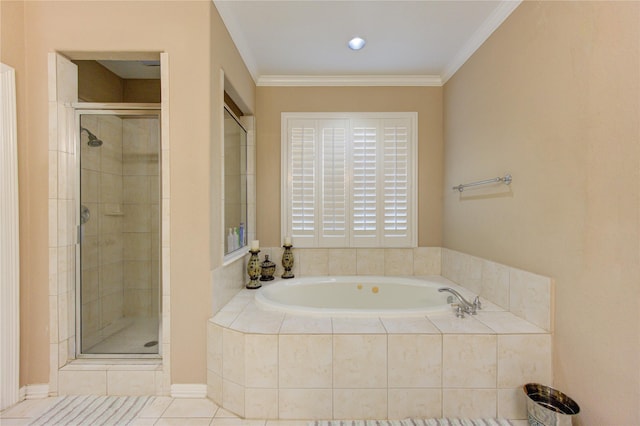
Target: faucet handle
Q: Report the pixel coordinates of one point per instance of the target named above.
(459, 311)
(477, 303)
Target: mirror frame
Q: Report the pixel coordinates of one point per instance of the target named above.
(235, 232)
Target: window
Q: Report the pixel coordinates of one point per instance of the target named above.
(349, 179)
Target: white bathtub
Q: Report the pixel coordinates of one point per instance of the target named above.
(354, 296)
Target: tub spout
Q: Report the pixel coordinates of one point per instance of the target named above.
(465, 305)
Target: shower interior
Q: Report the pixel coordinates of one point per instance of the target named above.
(119, 267)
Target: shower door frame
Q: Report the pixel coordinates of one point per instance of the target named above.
(134, 110)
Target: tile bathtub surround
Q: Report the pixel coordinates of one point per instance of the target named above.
(466, 270)
(418, 261)
(525, 294)
(516, 314)
(432, 366)
(415, 360)
(227, 281)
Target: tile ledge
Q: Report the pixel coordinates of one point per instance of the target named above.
(113, 365)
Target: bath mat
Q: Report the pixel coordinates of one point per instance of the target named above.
(414, 422)
(93, 410)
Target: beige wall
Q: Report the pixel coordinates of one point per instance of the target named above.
(224, 66)
(553, 97)
(141, 90)
(32, 338)
(427, 101)
(98, 84)
(183, 30)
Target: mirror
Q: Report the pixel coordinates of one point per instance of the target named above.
(235, 183)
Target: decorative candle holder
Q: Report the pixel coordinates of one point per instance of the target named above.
(268, 269)
(254, 269)
(287, 261)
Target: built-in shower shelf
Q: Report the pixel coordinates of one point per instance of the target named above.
(114, 214)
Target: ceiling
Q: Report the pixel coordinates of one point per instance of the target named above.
(133, 69)
(304, 42)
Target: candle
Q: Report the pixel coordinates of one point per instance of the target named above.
(287, 240)
(255, 245)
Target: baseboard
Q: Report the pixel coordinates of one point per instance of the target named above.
(34, 391)
(192, 390)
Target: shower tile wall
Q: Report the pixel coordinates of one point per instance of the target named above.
(141, 217)
(120, 250)
(102, 247)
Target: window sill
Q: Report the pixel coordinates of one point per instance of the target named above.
(235, 255)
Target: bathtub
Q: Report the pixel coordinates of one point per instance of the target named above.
(354, 296)
(271, 357)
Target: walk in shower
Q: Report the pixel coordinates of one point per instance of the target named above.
(118, 292)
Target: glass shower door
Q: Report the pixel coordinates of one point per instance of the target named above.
(119, 290)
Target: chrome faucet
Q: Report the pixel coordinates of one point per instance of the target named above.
(464, 306)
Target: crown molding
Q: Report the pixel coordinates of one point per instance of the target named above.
(349, 80)
(493, 21)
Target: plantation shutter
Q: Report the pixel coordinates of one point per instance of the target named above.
(396, 185)
(348, 181)
(302, 181)
(364, 188)
(333, 199)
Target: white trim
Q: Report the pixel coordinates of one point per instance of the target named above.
(10, 242)
(162, 386)
(217, 151)
(484, 31)
(36, 391)
(191, 390)
(114, 105)
(347, 115)
(63, 91)
(349, 80)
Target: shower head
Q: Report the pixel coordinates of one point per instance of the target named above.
(93, 139)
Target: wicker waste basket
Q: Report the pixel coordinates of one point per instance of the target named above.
(549, 407)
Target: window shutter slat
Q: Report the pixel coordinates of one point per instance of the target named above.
(303, 187)
(364, 187)
(396, 187)
(334, 180)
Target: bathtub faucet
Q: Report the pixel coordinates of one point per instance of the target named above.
(464, 306)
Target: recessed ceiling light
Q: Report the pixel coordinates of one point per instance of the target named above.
(357, 43)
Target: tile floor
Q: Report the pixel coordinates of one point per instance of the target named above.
(162, 411)
(131, 339)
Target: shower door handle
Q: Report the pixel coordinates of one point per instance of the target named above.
(85, 214)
